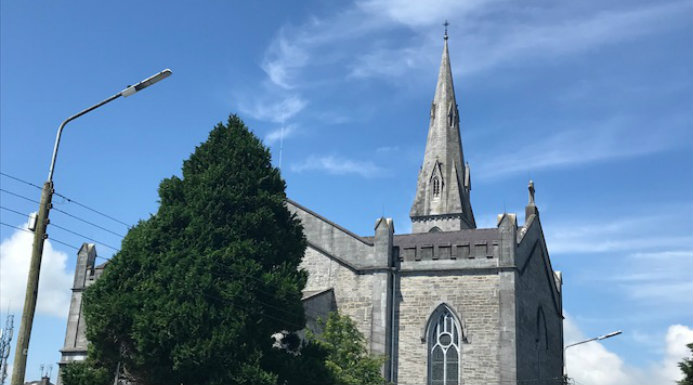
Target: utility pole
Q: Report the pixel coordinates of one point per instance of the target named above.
(5, 343)
(20, 355)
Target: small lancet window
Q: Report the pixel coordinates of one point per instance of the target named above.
(436, 186)
(443, 349)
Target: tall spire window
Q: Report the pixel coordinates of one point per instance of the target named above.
(443, 348)
(435, 181)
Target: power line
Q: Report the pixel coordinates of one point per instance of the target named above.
(64, 244)
(20, 196)
(70, 200)
(64, 212)
(14, 211)
(52, 239)
(87, 222)
(83, 236)
(20, 180)
(92, 210)
(29, 231)
(65, 229)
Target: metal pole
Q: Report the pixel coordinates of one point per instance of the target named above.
(40, 236)
(605, 336)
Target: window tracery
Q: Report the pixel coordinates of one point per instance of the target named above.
(443, 348)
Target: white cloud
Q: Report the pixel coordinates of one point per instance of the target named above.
(650, 265)
(421, 13)
(545, 34)
(54, 282)
(517, 33)
(357, 40)
(282, 59)
(678, 336)
(273, 110)
(625, 234)
(380, 63)
(593, 142)
(593, 364)
(338, 166)
(386, 149)
(280, 133)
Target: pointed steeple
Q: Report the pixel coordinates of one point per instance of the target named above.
(442, 194)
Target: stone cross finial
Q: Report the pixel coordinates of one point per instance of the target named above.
(446, 30)
(531, 192)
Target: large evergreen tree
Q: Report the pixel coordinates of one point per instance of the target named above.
(198, 289)
(686, 367)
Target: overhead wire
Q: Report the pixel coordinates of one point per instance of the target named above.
(63, 212)
(29, 231)
(93, 210)
(61, 228)
(84, 236)
(20, 196)
(70, 200)
(14, 211)
(20, 180)
(87, 222)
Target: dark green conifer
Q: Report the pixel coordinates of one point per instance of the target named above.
(198, 289)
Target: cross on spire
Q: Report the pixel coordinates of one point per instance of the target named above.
(531, 192)
(446, 29)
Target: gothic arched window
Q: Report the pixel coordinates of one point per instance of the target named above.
(443, 348)
(436, 186)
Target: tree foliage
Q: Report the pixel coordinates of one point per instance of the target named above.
(84, 373)
(687, 368)
(198, 288)
(347, 358)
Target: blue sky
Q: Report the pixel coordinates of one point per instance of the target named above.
(590, 99)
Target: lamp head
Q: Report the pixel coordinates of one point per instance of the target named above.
(146, 83)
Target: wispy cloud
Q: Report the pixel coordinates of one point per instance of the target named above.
(282, 58)
(356, 39)
(274, 110)
(622, 234)
(419, 14)
(650, 264)
(593, 142)
(280, 133)
(336, 165)
(386, 149)
(516, 34)
(551, 35)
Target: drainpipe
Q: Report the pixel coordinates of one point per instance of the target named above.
(393, 286)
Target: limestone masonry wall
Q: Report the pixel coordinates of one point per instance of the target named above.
(352, 291)
(474, 298)
(539, 313)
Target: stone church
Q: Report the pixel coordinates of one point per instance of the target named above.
(447, 304)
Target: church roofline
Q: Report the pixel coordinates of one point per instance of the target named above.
(308, 294)
(344, 230)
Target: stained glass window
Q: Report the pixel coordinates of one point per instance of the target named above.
(444, 348)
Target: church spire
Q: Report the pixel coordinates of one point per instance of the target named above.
(442, 195)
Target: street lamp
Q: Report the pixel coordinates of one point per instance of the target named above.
(605, 336)
(40, 236)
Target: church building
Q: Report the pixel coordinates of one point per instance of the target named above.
(448, 304)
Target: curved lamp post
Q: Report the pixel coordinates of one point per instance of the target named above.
(24, 335)
(605, 336)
